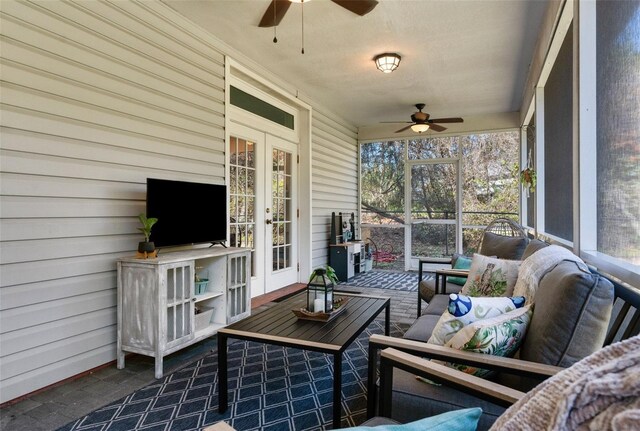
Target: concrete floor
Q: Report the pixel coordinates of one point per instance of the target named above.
(62, 403)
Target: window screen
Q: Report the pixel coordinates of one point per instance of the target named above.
(618, 129)
(558, 144)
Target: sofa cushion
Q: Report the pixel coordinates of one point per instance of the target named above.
(414, 399)
(503, 247)
(438, 305)
(571, 315)
(464, 310)
(490, 276)
(499, 336)
(533, 246)
(422, 328)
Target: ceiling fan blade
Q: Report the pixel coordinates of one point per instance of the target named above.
(437, 128)
(397, 122)
(269, 19)
(447, 120)
(359, 7)
(403, 129)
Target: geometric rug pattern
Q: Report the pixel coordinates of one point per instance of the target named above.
(406, 281)
(270, 388)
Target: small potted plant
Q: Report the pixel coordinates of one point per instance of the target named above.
(145, 247)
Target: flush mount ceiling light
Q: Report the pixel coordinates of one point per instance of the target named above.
(387, 62)
(420, 127)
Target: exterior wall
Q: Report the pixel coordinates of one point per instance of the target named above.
(334, 178)
(96, 97)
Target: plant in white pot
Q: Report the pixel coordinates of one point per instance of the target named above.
(146, 247)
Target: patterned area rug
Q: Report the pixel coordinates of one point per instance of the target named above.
(270, 388)
(407, 281)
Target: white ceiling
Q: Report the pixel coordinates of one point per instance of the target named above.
(465, 58)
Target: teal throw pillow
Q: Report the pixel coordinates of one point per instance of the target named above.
(461, 263)
(456, 420)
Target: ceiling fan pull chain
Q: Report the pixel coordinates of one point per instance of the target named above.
(275, 27)
(302, 26)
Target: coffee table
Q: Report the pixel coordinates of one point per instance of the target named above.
(278, 325)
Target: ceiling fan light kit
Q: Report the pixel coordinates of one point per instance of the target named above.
(387, 62)
(419, 127)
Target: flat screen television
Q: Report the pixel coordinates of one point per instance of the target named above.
(187, 213)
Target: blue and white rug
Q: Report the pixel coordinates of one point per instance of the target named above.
(407, 281)
(270, 388)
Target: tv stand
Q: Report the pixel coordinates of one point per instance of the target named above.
(218, 242)
(180, 298)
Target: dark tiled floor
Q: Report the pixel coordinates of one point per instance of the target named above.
(59, 405)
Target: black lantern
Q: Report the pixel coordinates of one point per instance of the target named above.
(320, 292)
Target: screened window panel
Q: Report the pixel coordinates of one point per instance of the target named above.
(618, 129)
(558, 144)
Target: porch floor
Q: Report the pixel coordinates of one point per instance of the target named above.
(61, 403)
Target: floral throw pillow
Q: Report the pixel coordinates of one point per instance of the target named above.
(464, 310)
(499, 336)
(489, 276)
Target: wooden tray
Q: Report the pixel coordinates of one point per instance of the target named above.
(338, 307)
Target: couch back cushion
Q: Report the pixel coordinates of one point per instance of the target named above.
(503, 247)
(570, 317)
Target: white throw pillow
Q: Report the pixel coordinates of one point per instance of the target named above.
(464, 310)
(489, 276)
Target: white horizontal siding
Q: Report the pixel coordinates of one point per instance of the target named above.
(334, 180)
(96, 97)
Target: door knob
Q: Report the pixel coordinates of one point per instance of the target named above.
(268, 221)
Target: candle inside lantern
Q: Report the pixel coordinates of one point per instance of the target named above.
(318, 305)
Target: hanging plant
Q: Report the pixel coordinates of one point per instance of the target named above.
(528, 177)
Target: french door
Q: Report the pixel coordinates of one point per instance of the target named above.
(432, 189)
(263, 206)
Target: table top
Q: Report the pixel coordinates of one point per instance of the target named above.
(278, 324)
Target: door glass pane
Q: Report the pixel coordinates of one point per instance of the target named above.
(280, 203)
(242, 193)
(433, 209)
(382, 202)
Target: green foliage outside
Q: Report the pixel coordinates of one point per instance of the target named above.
(490, 188)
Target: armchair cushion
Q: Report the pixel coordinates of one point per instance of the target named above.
(427, 289)
(571, 316)
(498, 336)
(491, 276)
(458, 420)
(503, 247)
(464, 310)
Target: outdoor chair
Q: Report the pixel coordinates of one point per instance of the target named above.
(575, 315)
(598, 391)
(502, 238)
